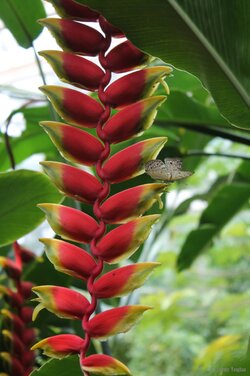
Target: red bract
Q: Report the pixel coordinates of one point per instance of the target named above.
(70, 223)
(74, 69)
(123, 280)
(71, 9)
(63, 256)
(74, 36)
(125, 57)
(132, 120)
(75, 107)
(137, 108)
(72, 181)
(73, 143)
(134, 158)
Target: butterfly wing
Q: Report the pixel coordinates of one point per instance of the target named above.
(179, 175)
(157, 170)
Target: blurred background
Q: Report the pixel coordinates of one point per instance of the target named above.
(201, 291)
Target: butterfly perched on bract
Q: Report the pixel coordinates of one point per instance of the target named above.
(170, 170)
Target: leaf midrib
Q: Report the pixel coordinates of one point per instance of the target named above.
(221, 63)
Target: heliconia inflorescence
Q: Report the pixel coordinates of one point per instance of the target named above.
(16, 316)
(135, 109)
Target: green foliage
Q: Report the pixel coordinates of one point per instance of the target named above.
(181, 33)
(20, 18)
(228, 200)
(20, 192)
(60, 367)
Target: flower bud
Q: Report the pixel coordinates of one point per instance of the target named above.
(74, 107)
(131, 203)
(124, 280)
(74, 36)
(63, 256)
(130, 162)
(132, 120)
(135, 86)
(74, 144)
(125, 57)
(76, 11)
(73, 182)
(124, 240)
(71, 224)
(60, 346)
(61, 301)
(74, 69)
(99, 364)
(114, 321)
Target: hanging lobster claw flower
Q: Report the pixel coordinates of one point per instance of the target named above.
(13, 321)
(74, 69)
(61, 301)
(73, 143)
(14, 365)
(131, 203)
(75, 107)
(135, 86)
(99, 364)
(73, 182)
(15, 299)
(60, 345)
(74, 36)
(11, 267)
(114, 321)
(71, 224)
(76, 11)
(132, 120)
(134, 158)
(63, 256)
(124, 280)
(13, 343)
(125, 57)
(124, 240)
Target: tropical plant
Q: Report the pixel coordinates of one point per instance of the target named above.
(201, 231)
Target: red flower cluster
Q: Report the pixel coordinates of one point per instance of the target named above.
(18, 335)
(135, 110)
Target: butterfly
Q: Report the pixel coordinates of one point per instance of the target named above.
(170, 170)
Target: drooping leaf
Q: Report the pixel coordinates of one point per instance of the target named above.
(20, 192)
(196, 37)
(20, 18)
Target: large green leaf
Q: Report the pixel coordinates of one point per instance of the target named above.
(62, 367)
(20, 18)
(196, 36)
(33, 140)
(20, 192)
(227, 202)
